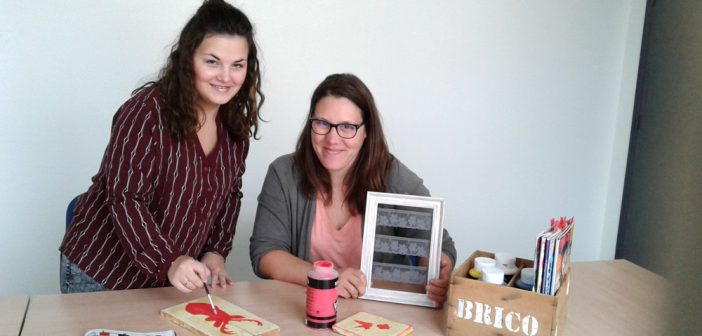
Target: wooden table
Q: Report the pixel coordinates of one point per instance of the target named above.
(138, 310)
(606, 298)
(12, 309)
(615, 297)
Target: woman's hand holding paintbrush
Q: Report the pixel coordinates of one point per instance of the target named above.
(187, 274)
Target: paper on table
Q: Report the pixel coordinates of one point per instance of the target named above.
(108, 332)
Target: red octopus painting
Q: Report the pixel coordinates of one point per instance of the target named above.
(221, 319)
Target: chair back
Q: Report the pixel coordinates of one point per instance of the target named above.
(69, 210)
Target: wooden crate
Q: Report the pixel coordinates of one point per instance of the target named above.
(479, 308)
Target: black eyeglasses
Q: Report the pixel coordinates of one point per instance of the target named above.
(344, 130)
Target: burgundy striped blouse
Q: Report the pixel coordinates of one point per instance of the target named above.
(154, 199)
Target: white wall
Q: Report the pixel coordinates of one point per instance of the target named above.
(513, 111)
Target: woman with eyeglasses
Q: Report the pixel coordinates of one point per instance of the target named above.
(312, 201)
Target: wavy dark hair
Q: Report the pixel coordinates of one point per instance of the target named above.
(176, 80)
(369, 172)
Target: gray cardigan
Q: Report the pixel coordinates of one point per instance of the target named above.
(284, 215)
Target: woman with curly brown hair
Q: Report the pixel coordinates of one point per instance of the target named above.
(163, 207)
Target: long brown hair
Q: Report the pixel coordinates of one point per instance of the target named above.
(370, 170)
(176, 80)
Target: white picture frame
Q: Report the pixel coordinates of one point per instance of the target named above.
(416, 227)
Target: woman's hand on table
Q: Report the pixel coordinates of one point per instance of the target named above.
(352, 283)
(218, 270)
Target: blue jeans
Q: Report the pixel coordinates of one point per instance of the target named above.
(74, 280)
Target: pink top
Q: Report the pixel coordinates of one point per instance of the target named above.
(341, 247)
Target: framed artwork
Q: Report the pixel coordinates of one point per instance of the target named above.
(402, 237)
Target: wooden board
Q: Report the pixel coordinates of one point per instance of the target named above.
(198, 317)
(366, 324)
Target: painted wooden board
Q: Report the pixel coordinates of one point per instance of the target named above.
(367, 324)
(198, 317)
(108, 332)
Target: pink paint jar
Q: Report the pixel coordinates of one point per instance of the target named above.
(321, 295)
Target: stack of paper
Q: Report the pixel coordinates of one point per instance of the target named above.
(552, 256)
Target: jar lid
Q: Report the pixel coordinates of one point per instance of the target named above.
(493, 275)
(509, 271)
(505, 260)
(527, 276)
(482, 262)
(324, 268)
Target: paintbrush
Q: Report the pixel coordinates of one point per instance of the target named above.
(209, 297)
